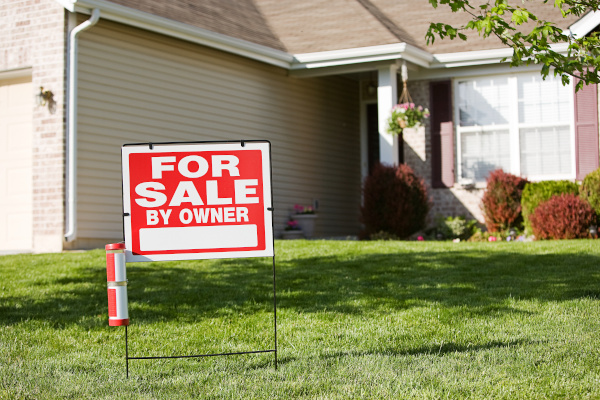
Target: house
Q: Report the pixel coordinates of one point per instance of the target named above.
(316, 78)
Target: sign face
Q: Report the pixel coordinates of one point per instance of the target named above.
(188, 201)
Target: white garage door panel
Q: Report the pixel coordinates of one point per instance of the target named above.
(16, 185)
(17, 141)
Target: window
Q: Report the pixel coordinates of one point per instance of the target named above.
(520, 123)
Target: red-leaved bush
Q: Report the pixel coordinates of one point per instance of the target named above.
(501, 203)
(565, 216)
(395, 201)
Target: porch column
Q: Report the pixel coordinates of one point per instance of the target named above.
(387, 96)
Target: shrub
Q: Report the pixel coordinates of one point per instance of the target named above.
(565, 216)
(456, 227)
(501, 203)
(590, 190)
(538, 192)
(395, 201)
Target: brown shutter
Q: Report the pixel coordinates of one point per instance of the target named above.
(442, 134)
(586, 130)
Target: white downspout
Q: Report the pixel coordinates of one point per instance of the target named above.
(71, 172)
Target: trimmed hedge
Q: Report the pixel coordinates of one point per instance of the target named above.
(395, 202)
(590, 191)
(501, 203)
(535, 193)
(565, 216)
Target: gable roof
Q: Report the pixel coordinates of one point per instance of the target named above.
(317, 33)
(236, 18)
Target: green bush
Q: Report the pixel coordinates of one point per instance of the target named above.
(456, 227)
(590, 190)
(537, 192)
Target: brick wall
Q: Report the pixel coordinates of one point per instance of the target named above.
(417, 147)
(32, 36)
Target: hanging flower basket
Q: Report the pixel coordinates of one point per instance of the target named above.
(406, 115)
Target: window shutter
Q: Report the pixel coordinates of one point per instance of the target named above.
(586, 130)
(442, 134)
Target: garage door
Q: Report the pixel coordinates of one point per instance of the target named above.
(16, 178)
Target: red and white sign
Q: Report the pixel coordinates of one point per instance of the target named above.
(197, 201)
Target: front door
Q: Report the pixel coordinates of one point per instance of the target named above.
(373, 138)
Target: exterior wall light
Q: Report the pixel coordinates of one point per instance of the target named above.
(45, 97)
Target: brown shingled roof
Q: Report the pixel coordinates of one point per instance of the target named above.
(237, 18)
(306, 26)
(321, 25)
(416, 15)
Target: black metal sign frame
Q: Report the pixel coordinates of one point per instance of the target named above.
(274, 350)
(269, 209)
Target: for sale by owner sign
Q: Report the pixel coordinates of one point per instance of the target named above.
(197, 201)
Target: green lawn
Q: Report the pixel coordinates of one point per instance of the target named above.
(363, 320)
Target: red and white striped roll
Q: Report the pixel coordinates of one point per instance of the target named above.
(116, 275)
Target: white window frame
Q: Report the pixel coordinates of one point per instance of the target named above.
(513, 128)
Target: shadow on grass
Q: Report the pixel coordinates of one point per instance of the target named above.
(442, 349)
(473, 282)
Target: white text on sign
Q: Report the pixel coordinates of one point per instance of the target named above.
(194, 166)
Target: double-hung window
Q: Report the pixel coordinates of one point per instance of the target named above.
(520, 123)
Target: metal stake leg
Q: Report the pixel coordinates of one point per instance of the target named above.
(275, 312)
(126, 354)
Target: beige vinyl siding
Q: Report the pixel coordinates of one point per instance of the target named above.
(139, 87)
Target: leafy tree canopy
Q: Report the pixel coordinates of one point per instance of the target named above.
(531, 43)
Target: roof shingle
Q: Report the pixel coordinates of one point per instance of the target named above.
(309, 26)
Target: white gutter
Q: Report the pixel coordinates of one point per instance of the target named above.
(71, 172)
(584, 25)
(481, 57)
(387, 52)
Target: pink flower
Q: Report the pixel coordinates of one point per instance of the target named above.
(492, 239)
(292, 225)
(420, 238)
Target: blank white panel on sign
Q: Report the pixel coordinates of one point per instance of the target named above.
(198, 237)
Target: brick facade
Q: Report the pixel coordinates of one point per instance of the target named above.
(32, 36)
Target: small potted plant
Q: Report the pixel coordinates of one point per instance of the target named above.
(292, 230)
(306, 216)
(406, 115)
